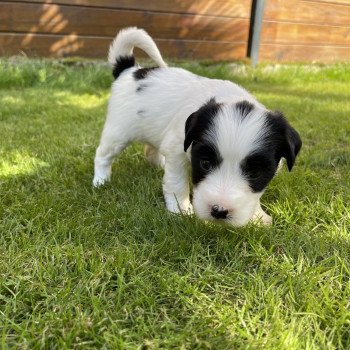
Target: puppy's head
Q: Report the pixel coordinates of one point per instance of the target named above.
(236, 149)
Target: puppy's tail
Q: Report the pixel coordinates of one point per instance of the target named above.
(120, 55)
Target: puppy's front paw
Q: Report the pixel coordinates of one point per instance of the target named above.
(179, 208)
(99, 181)
(261, 217)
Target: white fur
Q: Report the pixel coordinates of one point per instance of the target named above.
(157, 116)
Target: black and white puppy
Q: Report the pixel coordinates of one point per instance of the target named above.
(233, 143)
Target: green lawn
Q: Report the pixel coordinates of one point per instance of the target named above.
(110, 268)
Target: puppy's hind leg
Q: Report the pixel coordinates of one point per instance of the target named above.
(105, 153)
(154, 156)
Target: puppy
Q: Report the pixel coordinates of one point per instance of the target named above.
(233, 143)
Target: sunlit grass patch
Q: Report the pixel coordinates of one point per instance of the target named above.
(19, 164)
(82, 101)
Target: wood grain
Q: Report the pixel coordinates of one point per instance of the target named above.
(332, 2)
(47, 18)
(95, 47)
(302, 53)
(227, 8)
(301, 30)
(308, 12)
(306, 30)
(296, 33)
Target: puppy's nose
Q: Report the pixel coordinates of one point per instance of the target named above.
(218, 212)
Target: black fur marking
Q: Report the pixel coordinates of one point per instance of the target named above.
(280, 141)
(204, 159)
(141, 87)
(122, 63)
(204, 156)
(244, 107)
(143, 72)
(199, 122)
(259, 168)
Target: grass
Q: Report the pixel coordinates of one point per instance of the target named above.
(111, 268)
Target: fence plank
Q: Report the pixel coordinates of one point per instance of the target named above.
(290, 53)
(95, 47)
(332, 2)
(48, 18)
(227, 8)
(308, 12)
(296, 33)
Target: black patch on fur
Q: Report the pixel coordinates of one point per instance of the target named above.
(280, 141)
(259, 168)
(244, 107)
(204, 156)
(141, 87)
(122, 63)
(199, 122)
(143, 72)
(204, 159)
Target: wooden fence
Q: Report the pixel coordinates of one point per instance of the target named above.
(201, 29)
(306, 30)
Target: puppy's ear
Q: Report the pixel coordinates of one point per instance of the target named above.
(293, 146)
(286, 136)
(189, 130)
(200, 121)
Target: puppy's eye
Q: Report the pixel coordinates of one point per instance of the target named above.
(205, 164)
(254, 175)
